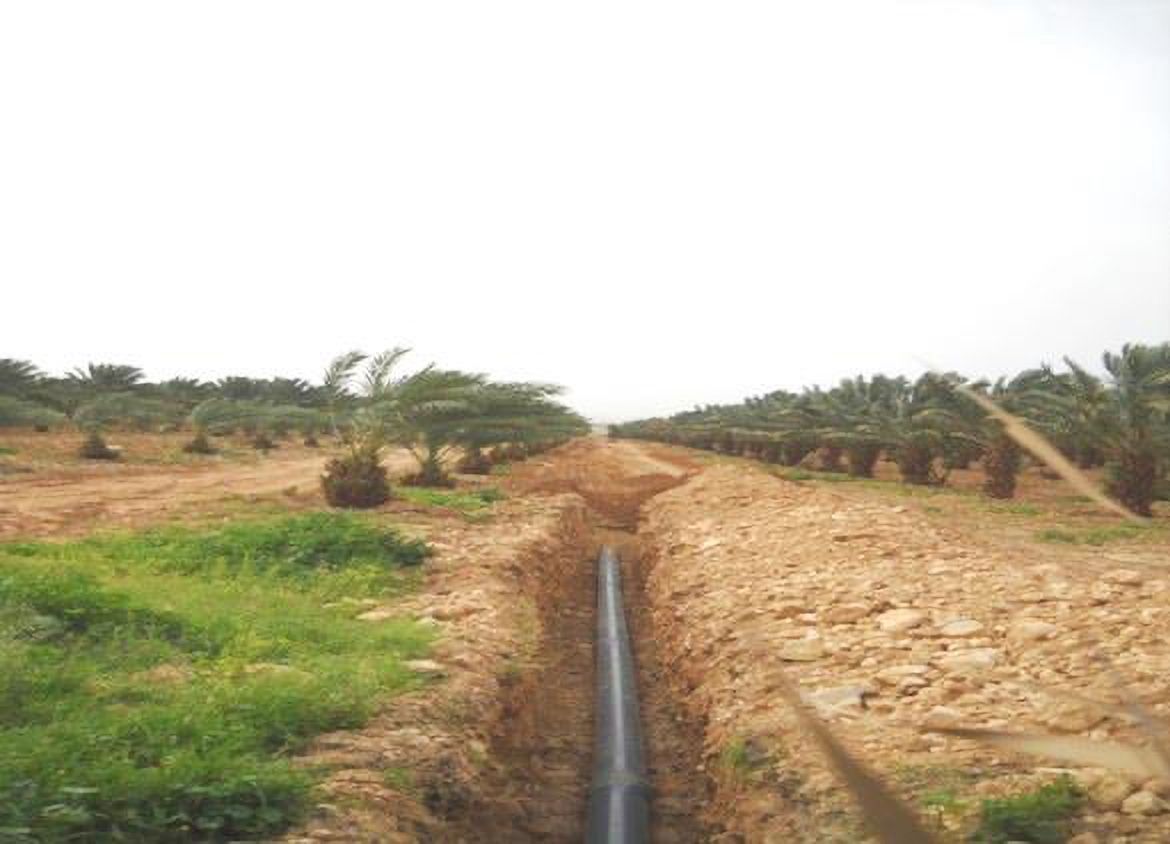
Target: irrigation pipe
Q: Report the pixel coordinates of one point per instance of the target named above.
(619, 801)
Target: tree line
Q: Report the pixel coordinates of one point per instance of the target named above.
(363, 401)
(931, 425)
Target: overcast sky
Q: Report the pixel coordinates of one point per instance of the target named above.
(655, 204)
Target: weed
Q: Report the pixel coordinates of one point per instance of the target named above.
(743, 756)
(5, 451)
(1092, 536)
(400, 779)
(1056, 535)
(1018, 508)
(1041, 815)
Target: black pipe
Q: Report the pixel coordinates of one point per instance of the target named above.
(619, 801)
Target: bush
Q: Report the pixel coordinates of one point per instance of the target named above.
(200, 445)
(1041, 815)
(263, 442)
(95, 448)
(357, 480)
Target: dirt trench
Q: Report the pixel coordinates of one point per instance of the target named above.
(542, 747)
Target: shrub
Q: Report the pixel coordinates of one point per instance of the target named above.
(263, 442)
(1041, 815)
(200, 445)
(95, 448)
(357, 480)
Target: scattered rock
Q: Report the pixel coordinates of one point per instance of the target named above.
(1031, 630)
(896, 673)
(1107, 790)
(1123, 577)
(973, 660)
(1071, 716)
(845, 613)
(1143, 803)
(838, 699)
(961, 628)
(425, 666)
(896, 621)
(802, 650)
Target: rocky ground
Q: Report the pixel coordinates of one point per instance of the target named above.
(890, 629)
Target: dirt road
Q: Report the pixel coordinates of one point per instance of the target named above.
(58, 507)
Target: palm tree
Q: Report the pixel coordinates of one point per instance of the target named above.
(918, 425)
(521, 414)
(853, 411)
(18, 377)
(1000, 454)
(107, 377)
(16, 412)
(1136, 427)
(240, 388)
(186, 392)
(96, 415)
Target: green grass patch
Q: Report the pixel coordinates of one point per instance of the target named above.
(1057, 535)
(1092, 536)
(6, 451)
(153, 686)
(1042, 815)
(1018, 508)
(744, 757)
(463, 500)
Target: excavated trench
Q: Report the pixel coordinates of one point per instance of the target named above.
(540, 756)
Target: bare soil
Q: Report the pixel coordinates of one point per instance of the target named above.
(72, 502)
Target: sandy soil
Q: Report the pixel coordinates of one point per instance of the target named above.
(34, 505)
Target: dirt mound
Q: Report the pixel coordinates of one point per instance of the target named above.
(887, 628)
(615, 478)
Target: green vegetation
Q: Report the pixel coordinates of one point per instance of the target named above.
(463, 500)
(154, 686)
(1091, 536)
(743, 757)
(1018, 508)
(1042, 815)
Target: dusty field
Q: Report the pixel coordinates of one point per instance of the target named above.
(60, 499)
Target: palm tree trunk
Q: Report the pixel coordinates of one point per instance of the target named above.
(791, 453)
(1001, 462)
(1134, 477)
(831, 459)
(862, 458)
(916, 463)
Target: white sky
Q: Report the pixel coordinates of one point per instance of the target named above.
(654, 203)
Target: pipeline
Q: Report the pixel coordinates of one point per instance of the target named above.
(619, 800)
